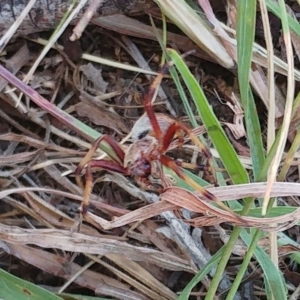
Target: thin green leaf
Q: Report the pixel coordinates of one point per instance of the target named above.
(273, 212)
(185, 294)
(181, 183)
(271, 153)
(183, 97)
(246, 12)
(268, 289)
(245, 40)
(254, 136)
(81, 297)
(227, 153)
(12, 288)
(273, 276)
(275, 9)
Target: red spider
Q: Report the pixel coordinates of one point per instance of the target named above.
(147, 154)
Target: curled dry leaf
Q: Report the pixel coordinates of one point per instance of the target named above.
(94, 75)
(185, 199)
(175, 198)
(214, 216)
(237, 128)
(140, 214)
(231, 98)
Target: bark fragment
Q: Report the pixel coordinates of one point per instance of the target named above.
(46, 14)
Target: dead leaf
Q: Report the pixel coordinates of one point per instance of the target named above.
(212, 215)
(140, 214)
(94, 75)
(101, 117)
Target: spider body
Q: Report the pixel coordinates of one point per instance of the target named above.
(139, 155)
(143, 127)
(146, 156)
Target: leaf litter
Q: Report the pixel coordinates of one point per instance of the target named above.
(41, 226)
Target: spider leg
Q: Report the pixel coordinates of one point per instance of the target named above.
(87, 190)
(179, 127)
(116, 165)
(151, 93)
(148, 101)
(196, 167)
(112, 143)
(172, 165)
(174, 128)
(147, 185)
(104, 164)
(191, 166)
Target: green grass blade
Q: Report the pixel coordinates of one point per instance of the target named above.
(191, 116)
(273, 212)
(246, 15)
(183, 97)
(245, 40)
(264, 169)
(181, 183)
(274, 8)
(273, 276)
(185, 294)
(81, 297)
(270, 156)
(227, 153)
(254, 136)
(12, 288)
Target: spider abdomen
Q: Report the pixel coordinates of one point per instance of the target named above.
(139, 156)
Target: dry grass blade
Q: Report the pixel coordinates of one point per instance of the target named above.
(180, 198)
(51, 216)
(36, 143)
(85, 19)
(132, 27)
(196, 29)
(140, 214)
(12, 29)
(214, 216)
(56, 265)
(145, 282)
(77, 242)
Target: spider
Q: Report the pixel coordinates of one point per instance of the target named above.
(145, 157)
